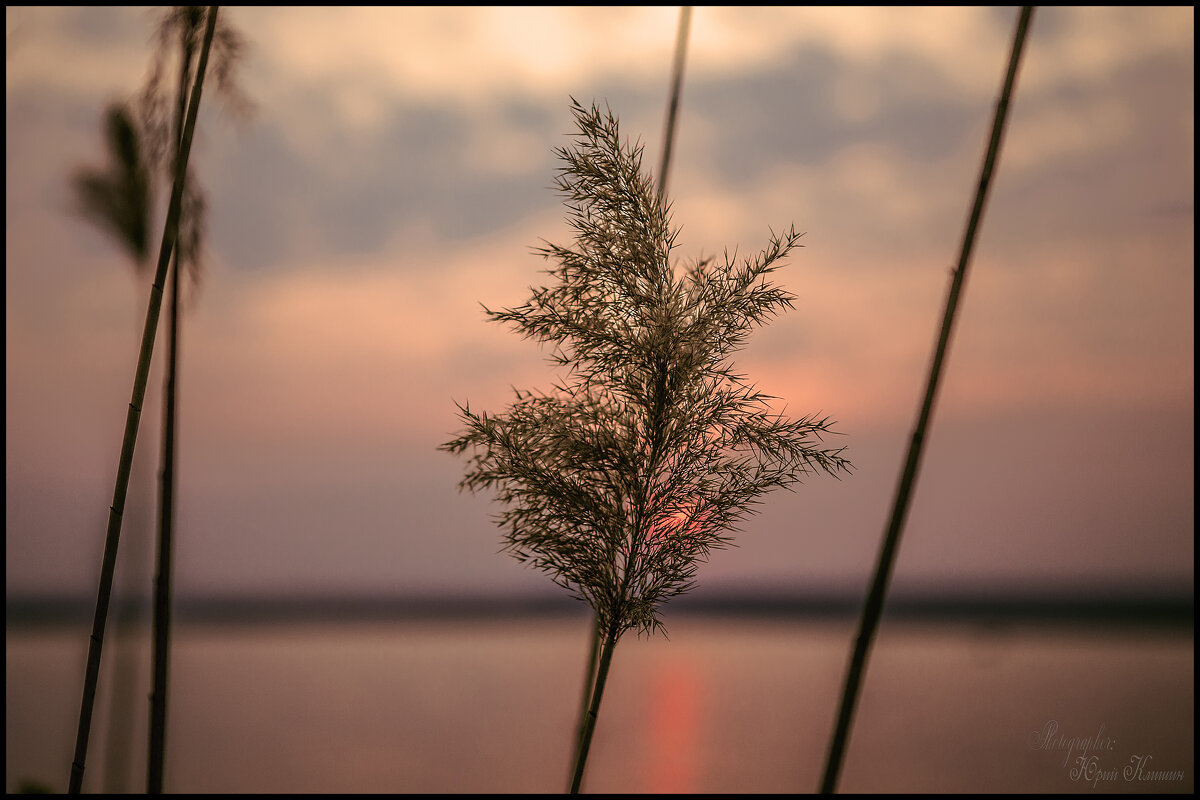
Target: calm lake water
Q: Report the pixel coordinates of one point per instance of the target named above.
(726, 705)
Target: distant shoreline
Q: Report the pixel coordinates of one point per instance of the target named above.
(1126, 609)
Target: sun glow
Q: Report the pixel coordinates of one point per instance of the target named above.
(688, 518)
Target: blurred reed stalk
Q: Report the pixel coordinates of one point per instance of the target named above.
(681, 38)
(873, 609)
(118, 199)
(160, 647)
(133, 417)
(180, 28)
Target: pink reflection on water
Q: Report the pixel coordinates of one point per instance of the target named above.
(674, 726)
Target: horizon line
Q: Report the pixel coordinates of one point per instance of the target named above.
(1146, 606)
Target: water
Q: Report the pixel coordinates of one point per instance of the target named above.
(726, 705)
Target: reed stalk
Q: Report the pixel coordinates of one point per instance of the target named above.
(873, 608)
(593, 711)
(160, 649)
(681, 38)
(650, 451)
(132, 420)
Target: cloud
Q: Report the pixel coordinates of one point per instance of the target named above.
(368, 348)
(354, 191)
(81, 50)
(1088, 44)
(396, 176)
(464, 56)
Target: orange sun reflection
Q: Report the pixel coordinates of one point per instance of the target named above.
(674, 717)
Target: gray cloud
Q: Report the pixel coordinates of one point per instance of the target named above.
(1087, 298)
(791, 113)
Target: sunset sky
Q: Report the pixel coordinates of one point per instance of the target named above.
(395, 173)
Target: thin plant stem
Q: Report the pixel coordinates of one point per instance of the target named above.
(641, 524)
(132, 419)
(621, 481)
(119, 201)
(681, 38)
(873, 609)
(162, 584)
(162, 581)
(589, 720)
(685, 19)
(589, 678)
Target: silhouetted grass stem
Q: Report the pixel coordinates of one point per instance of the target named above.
(623, 479)
(681, 38)
(873, 608)
(589, 719)
(160, 656)
(595, 636)
(132, 420)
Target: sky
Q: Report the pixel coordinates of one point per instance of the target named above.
(395, 173)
